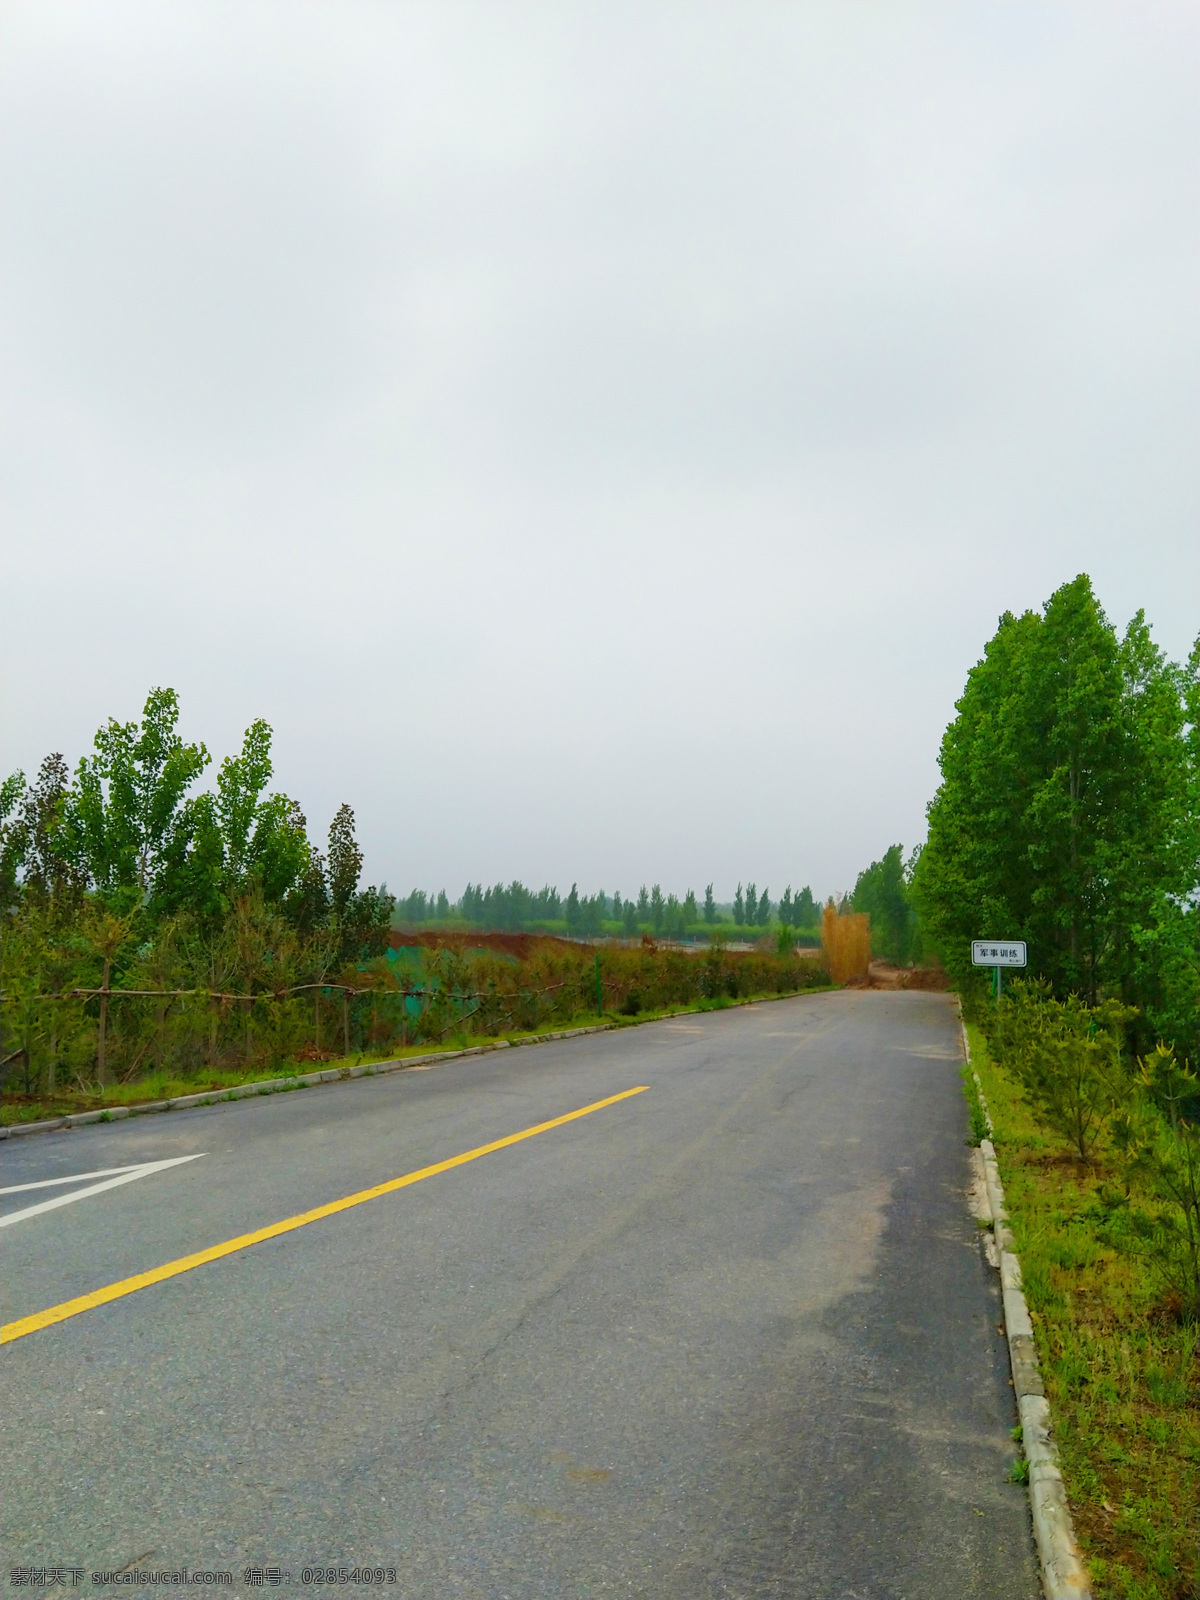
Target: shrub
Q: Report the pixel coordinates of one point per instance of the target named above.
(1066, 1055)
(1153, 1212)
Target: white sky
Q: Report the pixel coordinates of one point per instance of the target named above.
(598, 438)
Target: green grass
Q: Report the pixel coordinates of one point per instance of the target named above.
(1119, 1365)
(16, 1108)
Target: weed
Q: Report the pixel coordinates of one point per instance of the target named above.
(1119, 1362)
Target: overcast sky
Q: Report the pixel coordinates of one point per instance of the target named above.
(598, 438)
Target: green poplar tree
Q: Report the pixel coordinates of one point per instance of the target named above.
(658, 908)
(1067, 813)
(125, 828)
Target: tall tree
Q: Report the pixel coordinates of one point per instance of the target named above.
(751, 905)
(12, 837)
(47, 870)
(125, 826)
(710, 905)
(881, 891)
(739, 907)
(242, 837)
(345, 862)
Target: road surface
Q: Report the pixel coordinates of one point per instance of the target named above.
(729, 1336)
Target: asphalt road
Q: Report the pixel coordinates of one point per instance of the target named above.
(733, 1336)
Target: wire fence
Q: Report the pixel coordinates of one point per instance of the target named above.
(90, 1037)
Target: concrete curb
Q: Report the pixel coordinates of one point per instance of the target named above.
(367, 1069)
(306, 1080)
(1064, 1573)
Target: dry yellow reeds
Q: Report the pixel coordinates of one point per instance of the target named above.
(847, 941)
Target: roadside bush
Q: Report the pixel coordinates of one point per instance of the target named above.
(90, 1008)
(1066, 1055)
(1140, 1119)
(1153, 1212)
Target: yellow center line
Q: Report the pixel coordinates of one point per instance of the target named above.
(172, 1269)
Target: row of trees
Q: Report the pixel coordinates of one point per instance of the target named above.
(1068, 815)
(515, 908)
(122, 874)
(124, 833)
(884, 892)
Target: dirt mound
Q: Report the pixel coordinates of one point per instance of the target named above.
(518, 945)
(882, 975)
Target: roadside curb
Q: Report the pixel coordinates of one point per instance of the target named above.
(366, 1069)
(1064, 1573)
(306, 1080)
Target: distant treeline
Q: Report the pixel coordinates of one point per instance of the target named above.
(514, 908)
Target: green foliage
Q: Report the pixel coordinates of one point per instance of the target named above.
(1070, 1063)
(1153, 1212)
(658, 908)
(979, 1122)
(124, 827)
(1118, 1354)
(1067, 1056)
(1067, 814)
(119, 879)
(882, 891)
(505, 909)
(252, 994)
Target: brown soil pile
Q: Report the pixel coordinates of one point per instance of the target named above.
(882, 975)
(518, 945)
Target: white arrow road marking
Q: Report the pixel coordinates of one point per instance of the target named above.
(76, 1177)
(127, 1175)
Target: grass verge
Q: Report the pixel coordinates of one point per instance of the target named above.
(1120, 1369)
(17, 1108)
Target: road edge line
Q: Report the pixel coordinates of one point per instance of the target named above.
(1063, 1569)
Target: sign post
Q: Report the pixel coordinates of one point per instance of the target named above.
(998, 954)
